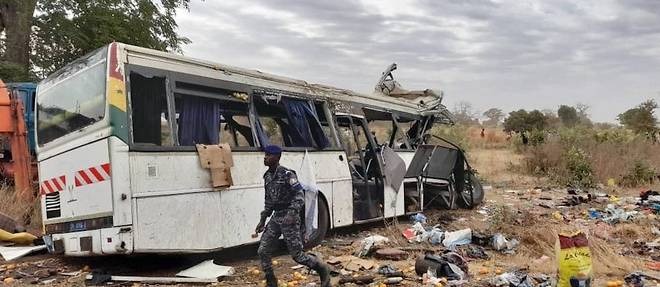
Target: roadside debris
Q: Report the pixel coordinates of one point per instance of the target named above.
(99, 279)
(391, 254)
(15, 252)
(389, 271)
(500, 243)
(207, 270)
(455, 238)
(419, 217)
(368, 244)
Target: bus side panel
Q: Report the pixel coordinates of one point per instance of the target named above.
(82, 178)
(182, 222)
(121, 182)
(178, 210)
(342, 202)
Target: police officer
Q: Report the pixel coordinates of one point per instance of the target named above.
(284, 201)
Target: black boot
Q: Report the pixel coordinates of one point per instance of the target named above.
(324, 272)
(271, 280)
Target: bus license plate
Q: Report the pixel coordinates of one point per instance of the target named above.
(77, 226)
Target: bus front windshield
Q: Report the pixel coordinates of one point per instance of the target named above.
(72, 98)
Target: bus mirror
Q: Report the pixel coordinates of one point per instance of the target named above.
(341, 158)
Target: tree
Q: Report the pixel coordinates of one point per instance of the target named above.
(464, 114)
(568, 116)
(15, 22)
(523, 121)
(641, 118)
(494, 116)
(63, 30)
(583, 115)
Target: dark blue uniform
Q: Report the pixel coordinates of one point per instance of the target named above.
(285, 201)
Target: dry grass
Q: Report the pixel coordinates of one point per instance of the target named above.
(502, 167)
(26, 213)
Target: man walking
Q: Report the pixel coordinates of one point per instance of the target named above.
(284, 200)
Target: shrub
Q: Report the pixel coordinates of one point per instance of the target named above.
(641, 173)
(578, 168)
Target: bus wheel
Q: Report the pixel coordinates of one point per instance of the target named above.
(478, 194)
(318, 235)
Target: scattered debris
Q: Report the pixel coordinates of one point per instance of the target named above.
(368, 244)
(352, 263)
(207, 270)
(15, 252)
(391, 254)
(514, 279)
(389, 271)
(455, 238)
(419, 217)
(364, 279)
(153, 280)
(500, 243)
(476, 252)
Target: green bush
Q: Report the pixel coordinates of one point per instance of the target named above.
(578, 168)
(641, 173)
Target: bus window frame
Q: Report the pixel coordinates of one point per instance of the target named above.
(172, 77)
(395, 118)
(335, 143)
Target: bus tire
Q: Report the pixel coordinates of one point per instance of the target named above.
(323, 225)
(478, 194)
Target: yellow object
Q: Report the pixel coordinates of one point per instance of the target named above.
(612, 284)
(275, 263)
(484, 271)
(498, 271)
(573, 258)
(9, 280)
(611, 182)
(614, 199)
(21, 238)
(557, 215)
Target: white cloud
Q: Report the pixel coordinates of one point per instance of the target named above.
(510, 53)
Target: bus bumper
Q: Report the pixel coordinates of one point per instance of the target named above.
(106, 241)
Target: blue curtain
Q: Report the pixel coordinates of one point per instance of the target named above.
(303, 123)
(199, 121)
(261, 133)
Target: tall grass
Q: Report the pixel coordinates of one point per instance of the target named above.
(25, 213)
(586, 157)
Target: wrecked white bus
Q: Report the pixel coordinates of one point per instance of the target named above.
(120, 173)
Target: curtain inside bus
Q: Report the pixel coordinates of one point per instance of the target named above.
(199, 121)
(147, 100)
(305, 125)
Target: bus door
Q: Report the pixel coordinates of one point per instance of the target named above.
(365, 165)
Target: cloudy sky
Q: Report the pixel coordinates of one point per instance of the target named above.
(509, 54)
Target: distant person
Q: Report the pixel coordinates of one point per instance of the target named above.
(284, 201)
(525, 140)
(483, 133)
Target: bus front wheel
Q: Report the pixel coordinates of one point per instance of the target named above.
(318, 235)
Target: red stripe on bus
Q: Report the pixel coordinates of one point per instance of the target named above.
(63, 179)
(96, 173)
(50, 189)
(77, 182)
(85, 177)
(56, 184)
(106, 167)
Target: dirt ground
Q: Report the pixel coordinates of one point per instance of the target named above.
(519, 207)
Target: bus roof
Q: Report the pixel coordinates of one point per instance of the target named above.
(427, 104)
